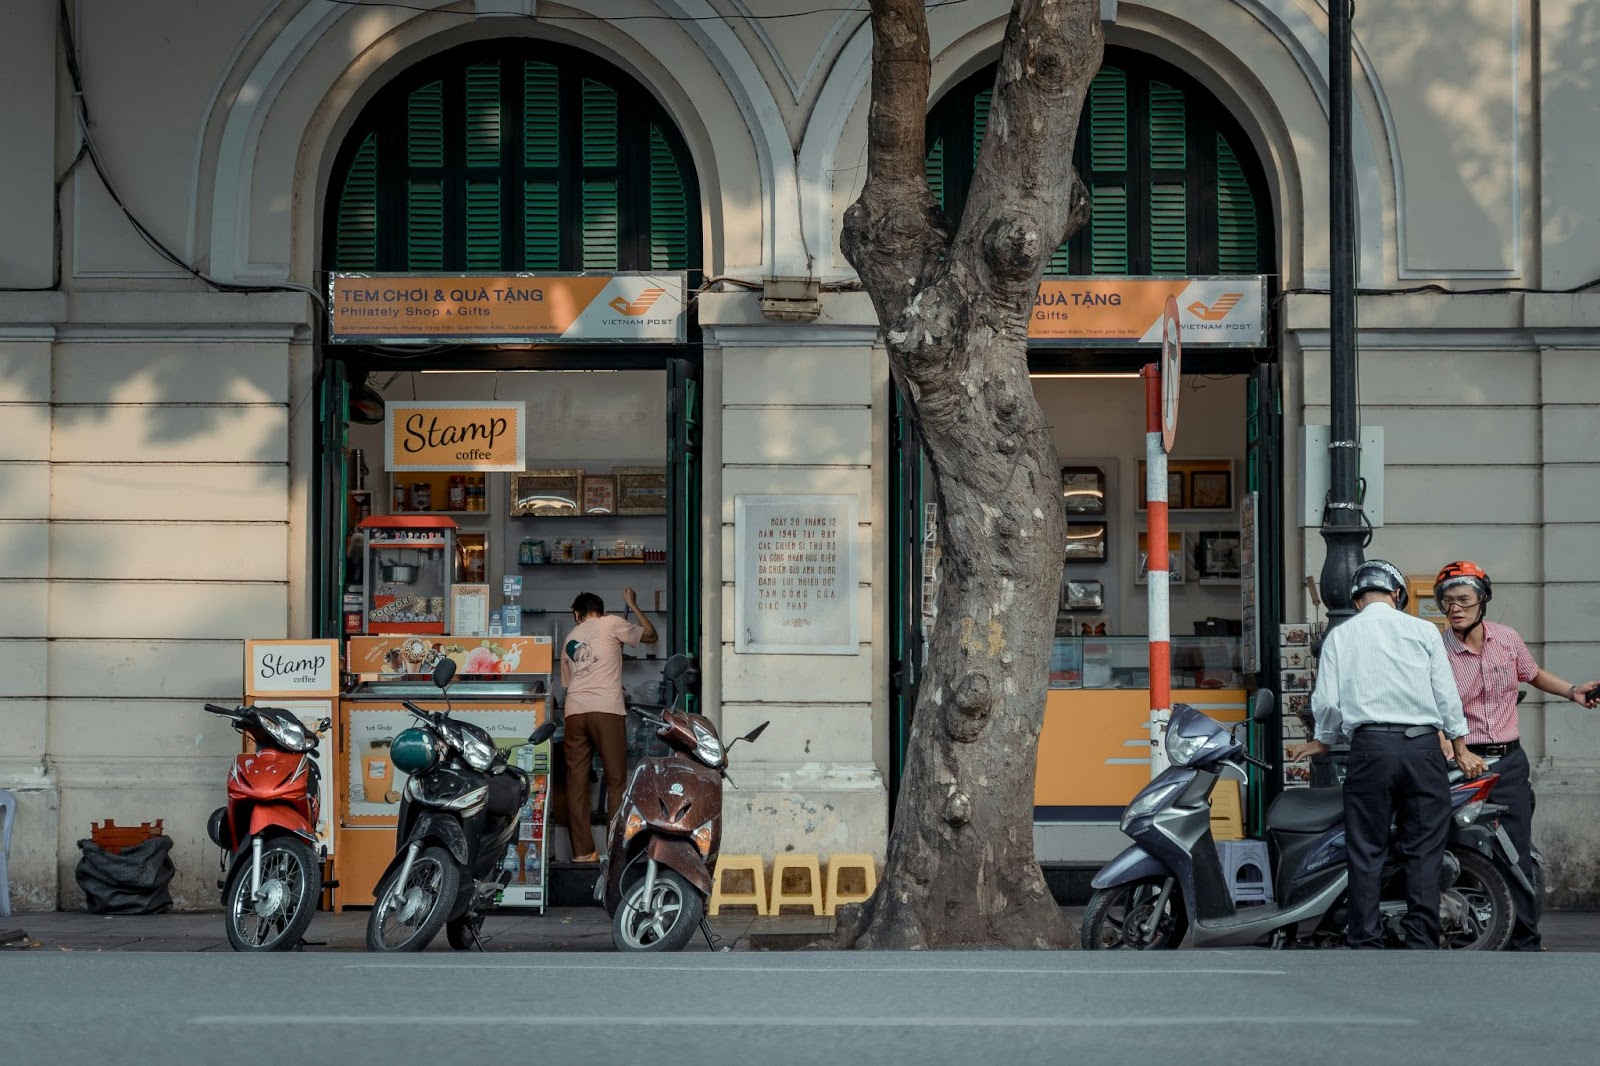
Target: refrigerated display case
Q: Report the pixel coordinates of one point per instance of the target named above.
(409, 564)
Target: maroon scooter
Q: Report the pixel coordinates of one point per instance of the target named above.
(664, 836)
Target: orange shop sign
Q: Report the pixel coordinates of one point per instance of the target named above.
(507, 309)
(1213, 312)
(455, 435)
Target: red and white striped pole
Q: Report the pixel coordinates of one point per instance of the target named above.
(1155, 462)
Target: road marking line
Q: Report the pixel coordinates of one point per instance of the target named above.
(805, 1021)
(736, 969)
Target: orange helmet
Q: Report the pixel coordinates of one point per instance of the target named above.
(1462, 572)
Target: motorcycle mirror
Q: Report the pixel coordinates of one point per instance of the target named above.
(444, 672)
(676, 667)
(1265, 704)
(756, 732)
(543, 733)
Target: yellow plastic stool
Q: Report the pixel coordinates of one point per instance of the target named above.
(812, 897)
(756, 897)
(869, 877)
(1227, 812)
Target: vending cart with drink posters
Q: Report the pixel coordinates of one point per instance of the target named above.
(502, 684)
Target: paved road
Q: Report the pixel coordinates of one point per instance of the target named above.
(970, 1008)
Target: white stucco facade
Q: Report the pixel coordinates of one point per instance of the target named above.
(156, 456)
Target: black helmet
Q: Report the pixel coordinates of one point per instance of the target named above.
(1376, 575)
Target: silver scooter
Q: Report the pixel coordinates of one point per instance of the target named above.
(1171, 882)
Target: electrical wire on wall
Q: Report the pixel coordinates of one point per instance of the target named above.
(91, 151)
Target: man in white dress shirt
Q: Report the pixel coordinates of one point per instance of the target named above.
(1384, 681)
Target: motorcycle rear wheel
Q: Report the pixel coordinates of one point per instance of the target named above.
(408, 917)
(675, 910)
(462, 932)
(1487, 893)
(291, 880)
(1116, 917)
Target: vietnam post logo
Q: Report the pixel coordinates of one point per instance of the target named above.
(646, 300)
(1217, 311)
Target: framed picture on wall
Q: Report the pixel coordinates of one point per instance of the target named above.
(1177, 489)
(1175, 560)
(1086, 542)
(1220, 554)
(546, 492)
(599, 494)
(1083, 490)
(1082, 595)
(641, 489)
(1211, 490)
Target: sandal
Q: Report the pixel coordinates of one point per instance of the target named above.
(593, 856)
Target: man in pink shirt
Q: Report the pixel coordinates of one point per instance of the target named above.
(1489, 661)
(596, 718)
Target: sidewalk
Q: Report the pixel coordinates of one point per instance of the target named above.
(559, 929)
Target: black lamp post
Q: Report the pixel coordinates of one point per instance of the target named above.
(1342, 528)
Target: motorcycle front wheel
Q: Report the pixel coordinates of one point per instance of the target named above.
(407, 917)
(1119, 917)
(664, 922)
(1476, 912)
(291, 879)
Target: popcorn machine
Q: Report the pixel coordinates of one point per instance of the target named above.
(409, 566)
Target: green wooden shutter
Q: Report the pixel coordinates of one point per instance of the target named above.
(1108, 230)
(1168, 126)
(483, 115)
(541, 115)
(980, 121)
(1060, 261)
(599, 124)
(1108, 120)
(1169, 229)
(933, 166)
(1237, 237)
(356, 237)
(541, 225)
(483, 225)
(669, 207)
(425, 126)
(600, 224)
(424, 225)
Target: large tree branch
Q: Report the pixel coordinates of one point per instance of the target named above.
(892, 233)
(1026, 197)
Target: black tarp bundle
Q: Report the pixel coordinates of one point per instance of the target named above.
(131, 881)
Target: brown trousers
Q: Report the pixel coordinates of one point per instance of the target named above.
(586, 734)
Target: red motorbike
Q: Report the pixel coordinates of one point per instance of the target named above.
(272, 868)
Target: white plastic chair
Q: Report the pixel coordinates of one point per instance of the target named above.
(8, 813)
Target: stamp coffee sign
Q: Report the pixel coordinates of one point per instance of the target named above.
(291, 667)
(454, 435)
(795, 564)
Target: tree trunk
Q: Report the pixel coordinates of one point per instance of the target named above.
(961, 869)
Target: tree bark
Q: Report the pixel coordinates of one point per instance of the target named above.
(961, 869)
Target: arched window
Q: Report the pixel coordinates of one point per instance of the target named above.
(513, 155)
(1174, 186)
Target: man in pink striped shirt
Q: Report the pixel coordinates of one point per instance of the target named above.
(1489, 662)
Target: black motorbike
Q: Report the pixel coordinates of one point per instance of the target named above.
(458, 815)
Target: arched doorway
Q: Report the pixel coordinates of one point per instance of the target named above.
(1175, 192)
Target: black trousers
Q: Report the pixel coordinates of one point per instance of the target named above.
(1391, 777)
(1514, 791)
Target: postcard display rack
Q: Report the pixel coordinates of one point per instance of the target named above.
(502, 684)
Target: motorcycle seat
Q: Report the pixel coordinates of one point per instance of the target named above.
(1306, 810)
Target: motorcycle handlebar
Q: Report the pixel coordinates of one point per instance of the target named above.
(214, 709)
(1253, 761)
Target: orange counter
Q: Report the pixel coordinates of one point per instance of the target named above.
(1094, 751)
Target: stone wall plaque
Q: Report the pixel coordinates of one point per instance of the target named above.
(795, 575)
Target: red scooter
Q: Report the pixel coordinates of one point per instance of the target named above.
(272, 869)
